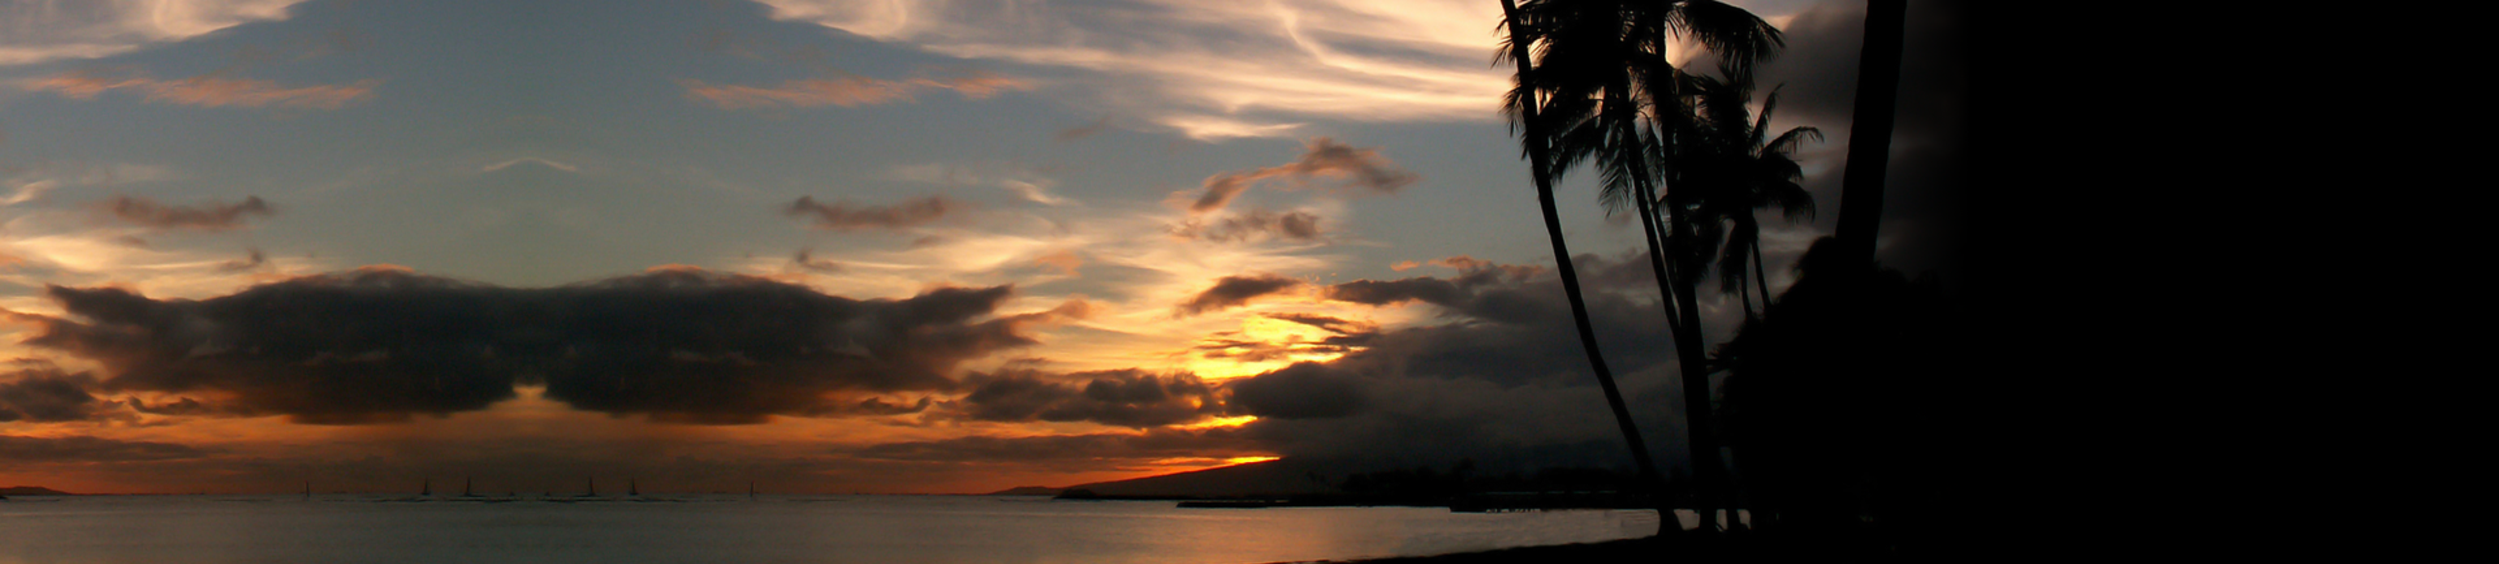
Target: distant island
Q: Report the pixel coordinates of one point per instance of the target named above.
(1027, 490)
(32, 490)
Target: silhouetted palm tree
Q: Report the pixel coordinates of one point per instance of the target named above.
(1754, 172)
(1523, 106)
(1612, 95)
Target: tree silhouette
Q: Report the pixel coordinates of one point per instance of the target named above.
(1744, 170)
(1822, 408)
(1522, 105)
(1611, 95)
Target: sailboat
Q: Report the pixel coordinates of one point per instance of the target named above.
(632, 488)
(750, 490)
(428, 491)
(307, 490)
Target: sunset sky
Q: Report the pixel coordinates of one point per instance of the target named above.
(823, 245)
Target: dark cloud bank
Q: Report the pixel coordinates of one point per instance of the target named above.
(1497, 379)
(384, 344)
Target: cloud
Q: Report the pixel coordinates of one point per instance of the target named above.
(46, 394)
(1125, 398)
(249, 263)
(844, 217)
(1305, 390)
(1082, 131)
(90, 449)
(1477, 290)
(1233, 291)
(1330, 324)
(1500, 378)
(206, 91)
(377, 345)
(1256, 224)
(29, 191)
(849, 90)
(212, 216)
(810, 264)
(1066, 260)
(1321, 157)
(1027, 182)
(1214, 71)
(1924, 186)
(35, 31)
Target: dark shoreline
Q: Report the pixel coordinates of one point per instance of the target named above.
(1642, 549)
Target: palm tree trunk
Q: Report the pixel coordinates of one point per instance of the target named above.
(1708, 473)
(1540, 159)
(1870, 128)
(1657, 257)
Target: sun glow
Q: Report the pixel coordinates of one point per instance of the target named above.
(1233, 421)
(1262, 345)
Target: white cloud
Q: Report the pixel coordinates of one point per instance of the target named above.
(35, 31)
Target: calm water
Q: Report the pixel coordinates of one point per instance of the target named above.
(358, 529)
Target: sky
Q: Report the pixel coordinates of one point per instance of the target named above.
(892, 246)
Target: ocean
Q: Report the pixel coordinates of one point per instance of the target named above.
(734, 529)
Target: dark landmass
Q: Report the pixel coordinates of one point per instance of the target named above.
(1294, 483)
(32, 490)
(1273, 478)
(1027, 490)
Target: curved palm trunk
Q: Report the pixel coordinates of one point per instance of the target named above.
(1540, 159)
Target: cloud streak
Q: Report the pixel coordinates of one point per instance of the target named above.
(1234, 291)
(848, 91)
(211, 216)
(846, 217)
(209, 91)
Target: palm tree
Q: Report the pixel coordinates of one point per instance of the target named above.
(1755, 171)
(1522, 106)
(1613, 96)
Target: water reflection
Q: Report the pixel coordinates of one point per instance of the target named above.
(731, 528)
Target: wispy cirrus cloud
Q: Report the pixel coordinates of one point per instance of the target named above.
(205, 91)
(1218, 70)
(36, 31)
(849, 90)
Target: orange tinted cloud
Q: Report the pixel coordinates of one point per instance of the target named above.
(206, 91)
(847, 91)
